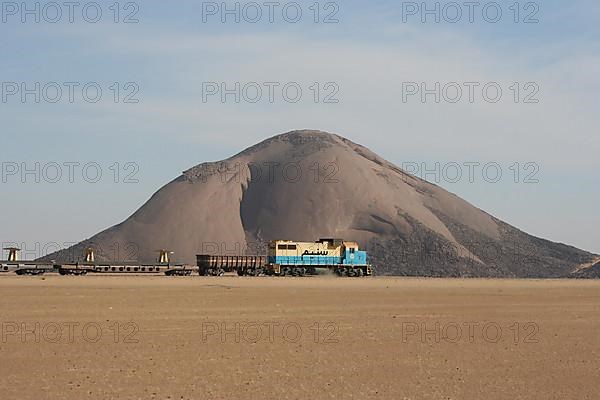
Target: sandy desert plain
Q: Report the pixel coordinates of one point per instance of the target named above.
(112, 337)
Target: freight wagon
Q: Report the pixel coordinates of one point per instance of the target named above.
(209, 265)
(13, 264)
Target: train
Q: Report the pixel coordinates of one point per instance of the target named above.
(283, 258)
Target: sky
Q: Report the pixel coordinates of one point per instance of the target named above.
(102, 103)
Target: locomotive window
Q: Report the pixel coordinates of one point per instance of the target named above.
(286, 247)
(351, 251)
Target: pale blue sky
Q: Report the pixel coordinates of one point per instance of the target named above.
(368, 54)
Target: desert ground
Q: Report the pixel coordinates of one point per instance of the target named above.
(111, 337)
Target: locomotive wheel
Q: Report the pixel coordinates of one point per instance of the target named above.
(359, 272)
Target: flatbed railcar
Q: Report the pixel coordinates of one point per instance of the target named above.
(25, 267)
(13, 264)
(91, 266)
(123, 268)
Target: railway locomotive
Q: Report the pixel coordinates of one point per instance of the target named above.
(301, 258)
(283, 258)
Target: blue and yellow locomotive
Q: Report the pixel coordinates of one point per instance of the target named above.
(304, 258)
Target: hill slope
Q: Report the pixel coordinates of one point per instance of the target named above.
(304, 185)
